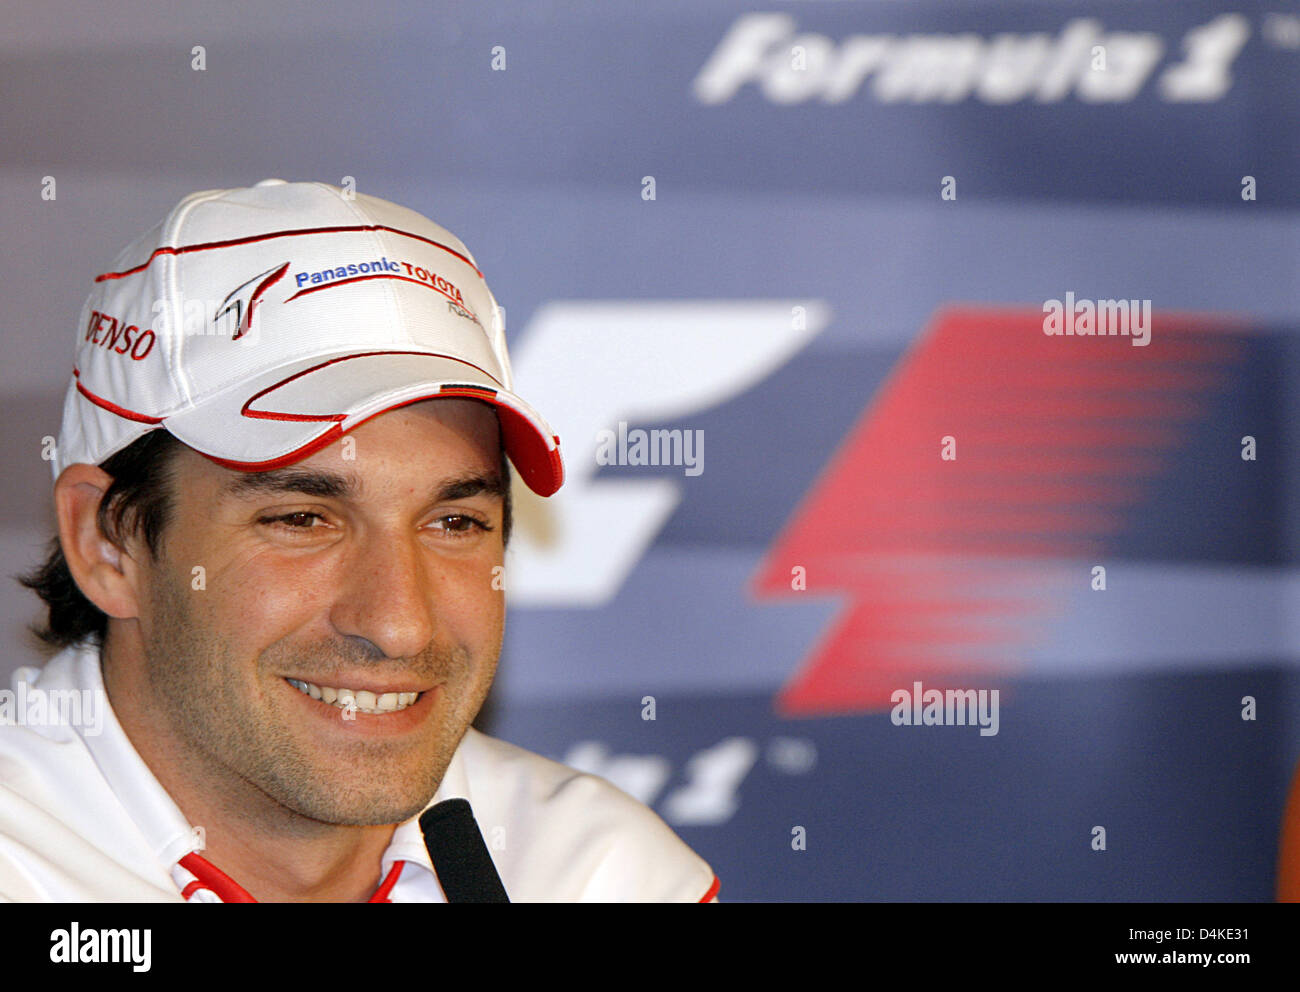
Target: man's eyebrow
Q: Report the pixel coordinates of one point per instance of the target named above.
(346, 486)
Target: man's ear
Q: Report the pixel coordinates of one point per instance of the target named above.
(106, 574)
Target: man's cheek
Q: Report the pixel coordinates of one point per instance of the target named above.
(260, 583)
(474, 592)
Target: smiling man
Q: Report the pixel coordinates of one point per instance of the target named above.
(283, 501)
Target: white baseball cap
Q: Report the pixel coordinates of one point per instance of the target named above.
(259, 325)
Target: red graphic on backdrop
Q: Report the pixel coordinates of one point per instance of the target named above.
(948, 569)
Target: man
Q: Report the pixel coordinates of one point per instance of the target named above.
(283, 506)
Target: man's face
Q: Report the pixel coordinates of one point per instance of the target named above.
(378, 577)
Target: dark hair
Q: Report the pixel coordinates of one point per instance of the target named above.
(139, 501)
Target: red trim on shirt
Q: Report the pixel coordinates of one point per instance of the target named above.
(713, 889)
(381, 893)
(209, 876)
(212, 877)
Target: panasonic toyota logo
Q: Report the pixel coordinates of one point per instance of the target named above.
(1083, 60)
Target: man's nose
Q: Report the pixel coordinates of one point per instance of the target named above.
(387, 597)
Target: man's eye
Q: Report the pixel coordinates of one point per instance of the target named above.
(293, 521)
(456, 525)
(462, 524)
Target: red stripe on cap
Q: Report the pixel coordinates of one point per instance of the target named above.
(314, 417)
(520, 436)
(474, 392)
(713, 889)
(380, 275)
(121, 411)
(301, 232)
(325, 440)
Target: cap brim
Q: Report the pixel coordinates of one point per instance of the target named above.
(284, 415)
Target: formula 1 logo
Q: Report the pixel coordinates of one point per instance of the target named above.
(951, 522)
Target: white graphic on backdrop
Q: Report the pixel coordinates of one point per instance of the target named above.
(587, 366)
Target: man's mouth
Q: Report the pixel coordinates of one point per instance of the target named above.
(363, 700)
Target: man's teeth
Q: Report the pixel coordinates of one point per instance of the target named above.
(366, 702)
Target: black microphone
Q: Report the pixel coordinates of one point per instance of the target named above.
(460, 857)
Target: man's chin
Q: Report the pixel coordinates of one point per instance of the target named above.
(380, 818)
(376, 811)
(366, 794)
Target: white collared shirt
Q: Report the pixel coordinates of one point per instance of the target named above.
(83, 819)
